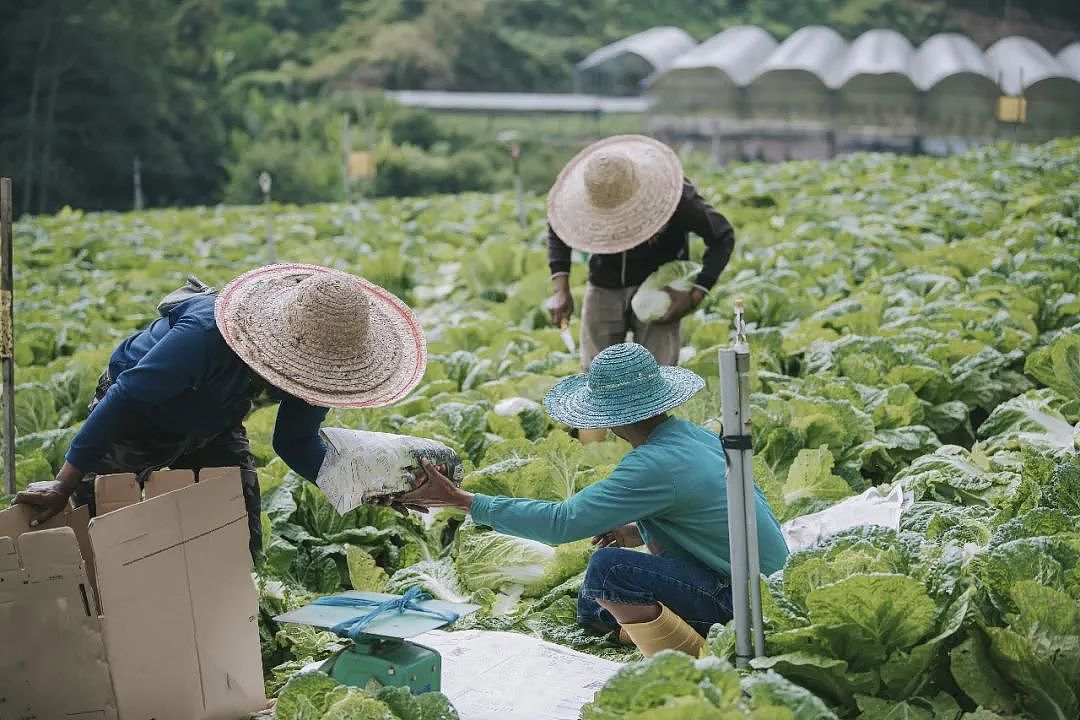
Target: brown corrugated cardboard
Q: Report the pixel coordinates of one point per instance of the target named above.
(165, 481)
(178, 633)
(53, 664)
(112, 492)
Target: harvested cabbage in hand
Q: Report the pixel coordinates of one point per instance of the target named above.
(650, 302)
(364, 467)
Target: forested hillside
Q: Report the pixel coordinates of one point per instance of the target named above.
(204, 90)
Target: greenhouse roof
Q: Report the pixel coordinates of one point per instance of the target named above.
(813, 49)
(737, 51)
(658, 46)
(1070, 58)
(1019, 63)
(875, 52)
(945, 55)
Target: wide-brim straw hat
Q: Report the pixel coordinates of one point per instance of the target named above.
(624, 385)
(327, 337)
(615, 194)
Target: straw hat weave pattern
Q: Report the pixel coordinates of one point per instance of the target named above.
(615, 194)
(327, 337)
(624, 385)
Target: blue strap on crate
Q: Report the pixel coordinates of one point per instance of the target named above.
(354, 627)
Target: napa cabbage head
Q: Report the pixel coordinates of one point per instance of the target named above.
(489, 559)
(650, 302)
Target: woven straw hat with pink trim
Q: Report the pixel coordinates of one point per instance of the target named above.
(615, 194)
(327, 337)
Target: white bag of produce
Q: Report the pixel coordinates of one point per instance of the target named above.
(650, 302)
(362, 466)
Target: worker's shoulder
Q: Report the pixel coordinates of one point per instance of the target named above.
(196, 313)
(678, 430)
(675, 437)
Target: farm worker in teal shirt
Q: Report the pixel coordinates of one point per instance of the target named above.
(669, 493)
(176, 394)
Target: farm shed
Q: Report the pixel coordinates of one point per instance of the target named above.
(1023, 66)
(874, 91)
(960, 91)
(710, 76)
(791, 84)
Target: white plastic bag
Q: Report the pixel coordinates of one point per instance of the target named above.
(650, 302)
(362, 466)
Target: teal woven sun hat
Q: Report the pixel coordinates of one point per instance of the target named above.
(624, 385)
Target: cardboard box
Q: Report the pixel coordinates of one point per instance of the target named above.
(146, 612)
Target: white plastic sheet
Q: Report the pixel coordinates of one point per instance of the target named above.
(499, 675)
(870, 508)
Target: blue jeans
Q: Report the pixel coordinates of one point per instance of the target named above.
(696, 593)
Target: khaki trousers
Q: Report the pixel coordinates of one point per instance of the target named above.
(606, 318)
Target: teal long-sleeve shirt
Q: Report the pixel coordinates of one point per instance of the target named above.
(674, 486)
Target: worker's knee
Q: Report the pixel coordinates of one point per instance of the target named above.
(619, 575)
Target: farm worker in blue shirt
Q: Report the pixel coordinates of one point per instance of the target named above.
(669, 493)
(176, 394)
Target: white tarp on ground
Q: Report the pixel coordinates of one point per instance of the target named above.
(870, 508)
(498, 675)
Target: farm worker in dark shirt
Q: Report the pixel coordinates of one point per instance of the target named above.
(176, 394)
(624, 200)
(668, 493)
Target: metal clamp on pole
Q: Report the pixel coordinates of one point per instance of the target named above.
(742, 498)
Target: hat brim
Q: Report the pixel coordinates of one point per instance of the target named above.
(605, 231)
(571, 402)
(374, 371)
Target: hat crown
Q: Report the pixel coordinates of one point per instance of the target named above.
(326, 309)
(610, 179)
(622, 366)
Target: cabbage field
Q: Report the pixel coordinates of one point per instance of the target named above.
(913, 321)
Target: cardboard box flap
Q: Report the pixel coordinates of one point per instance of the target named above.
(47, 614)
(15, 521)
(165, 481)
(218, 504)
(47, 552)
(180, 608)
(113, 492)
(230, 474)
(9, 558)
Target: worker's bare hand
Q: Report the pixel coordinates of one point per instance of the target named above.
(397, 505)
(434, 489)
(47, 498)
(560, 307)
(682, 303)
(626, 536)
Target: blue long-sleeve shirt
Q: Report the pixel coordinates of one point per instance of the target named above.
(181, 377)
(674, 486)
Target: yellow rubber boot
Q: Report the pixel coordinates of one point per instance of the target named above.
(667, 632)
(592, 435)
(624, 637)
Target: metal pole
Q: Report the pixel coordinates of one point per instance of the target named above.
(7, 337)
(345, 152)
(729, 394)
(741, 496)
(519, 187)
(137, 181)
(753, 556)
(265, 182)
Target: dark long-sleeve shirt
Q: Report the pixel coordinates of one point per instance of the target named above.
(181, 377)
(692, 215)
